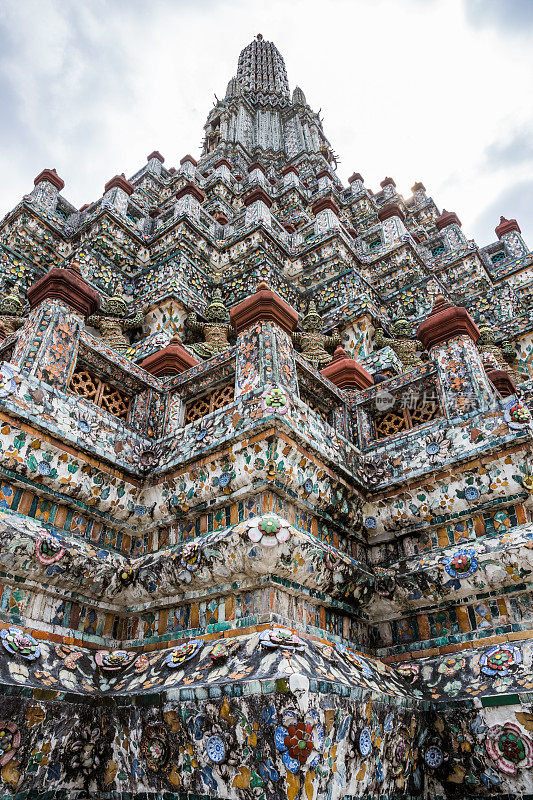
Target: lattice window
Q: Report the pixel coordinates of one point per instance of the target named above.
(395, 420)
(105, 395)
(390, 422)
(201, 406)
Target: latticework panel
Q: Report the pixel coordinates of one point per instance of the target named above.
(391, 422)
(197, 408)
(87, 385)
(417, 410)
(424, 412)
(115, 401)
(222, 396)
(201, 406)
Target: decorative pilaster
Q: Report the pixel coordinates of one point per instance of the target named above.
(257, 173)
(116, 194)
(508, 232)
(391, 218)
(356, 183)
(48, 184)
(449, 335)
(324, 180)
(450, 225)
(389, 188)
(188, 167)
(188, 200)
(155, 162)
(223, 169)
(48, 345)
(265, 355)
(326, 214)
(291, 177)
(258, 205)
(419, 193)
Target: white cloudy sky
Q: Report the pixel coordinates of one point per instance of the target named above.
(431, 90)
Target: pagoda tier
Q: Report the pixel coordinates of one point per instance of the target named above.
(265, 511)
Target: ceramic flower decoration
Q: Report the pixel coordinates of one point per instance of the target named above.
(191, 556)
(18, 643)
(182, 653)
(9, 741)
(500, 660)
(49, 550)
(282, 638)
(509, 748)
(269, 530)
(299, 740)
(113, 660)
(462, 564)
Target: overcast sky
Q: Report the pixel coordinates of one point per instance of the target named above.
(432, 90)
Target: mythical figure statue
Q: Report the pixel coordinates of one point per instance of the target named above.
(407, 348)
(312, 342)
(11, 309)
(216, 331)
(113, 321)
(502, 356)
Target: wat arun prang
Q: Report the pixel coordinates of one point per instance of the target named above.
(266, 479)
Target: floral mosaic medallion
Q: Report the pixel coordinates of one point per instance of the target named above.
(49, 550)
(299, 740)
(224, 480)
(500, 660)
(516, 414)
(191, 556)
(7, 381)
(269, 530)
(509, 748)
(282, 638)
(462, 564)
(126, 576)
(9, 741)
(433, 756)
(182, 653)
(276, 400)
(409, 672)
(223, 649)
(155, 747)
(365, 742)
(527, 483)
(216, 749)
(371, 523)
(113, 660)
(18, 643)
(471, 493)
(451, 664)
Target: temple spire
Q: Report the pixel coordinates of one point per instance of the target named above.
(261, 68)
